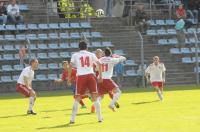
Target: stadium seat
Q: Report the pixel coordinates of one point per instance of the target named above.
(15, 78)
(53, 55)
(107, 44)
(1, 48)
(42, 55)
(96, 44)
(191, 30)
(8, 57)
(42, 66)
(6, 79)
(175, 51)
(130, 63)
(193, 50)
(64, 54)
(185, 51)
(53, 46)
(192, 40)
(64, 36)
(10, 27)
(198, 30)
(85, 25)
(163, 42)
(43, 26)
(151, 32)
(195, 69)
(52, 76)
(32, 26)
(31, 37)
(18, 67)
(21, 27)
(152, 23)
(2, 38)
(131, 73)
(53, 36)
(9, 47)
(64, 25)
(186, 60)
(16, 56)
(23, 7)
(74, 45)
(43, 46)
(41, 77)
(54, 26)
(170, 22)
(43, 36)
(194, 59)
(74, 25)
(160, 22)
(173, 41)
(171, 31)
(2, 28)
(21, 37)
(161, 32)
(7, 68)
(33, 47)
(10, 37)
(64, 45)
(119, 52)
(33, 55)
(75, 35)
(53, 66)
(86, 34)
(96, 34)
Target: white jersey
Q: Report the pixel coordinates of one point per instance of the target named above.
(13, 9)
(26, 72)
(84, 61)
(155, 72)
(108, 64)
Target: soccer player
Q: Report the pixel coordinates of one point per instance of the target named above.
(83, 60)
(73, 78)
(24, 84)
(108, 85)
(155, 73)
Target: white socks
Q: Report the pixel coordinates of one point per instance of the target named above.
(159, 93)
(115, 98)
(74, 110)
(31, 103)
(98, 109)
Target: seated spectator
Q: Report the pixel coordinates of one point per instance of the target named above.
(180, 12)
(14, 14)
(3, 13)
(141, 19)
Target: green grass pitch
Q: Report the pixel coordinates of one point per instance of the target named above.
(140, 111)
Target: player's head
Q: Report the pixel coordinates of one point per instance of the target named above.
(82, 45)
(34, 64)
(65, 65)
(156, 60)
(108, 52)
(99, 53)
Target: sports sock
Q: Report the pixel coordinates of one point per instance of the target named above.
(115, 98)
(31, 103)
(74, 110)
(98, 109)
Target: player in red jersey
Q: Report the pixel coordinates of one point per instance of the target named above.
(24, 84)
(108, 85)
(83, 60)
(73, 78)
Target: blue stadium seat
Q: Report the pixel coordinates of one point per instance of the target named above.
(43, 46)
(170, 22)
(96, 44)
(192, 40)
(193, 50)
(20, 37)
(10, 27)
(186, 60)
(195, 69)
(10, 37)
(1, 48)
(23, 7)
(191, 30)
(64, 54)
(1, 38)
(32, 27)
(86, 34)
(173, 41)
(43, 26)
(31, 37)
(2, 28)
(53, 36)
(21, 27)
(53, 55)
(131, 73)
(53, 66)
(42, 67)
(151, 32)
(9, 47)
(130, 63)
(152, 23)
(7, 68)
(16, 56)
(64, 45)
(33, 47)
(171, 31)
(161, 32)
(194, 59)
(41, 77)
(43, 36)
(52, 76)
(33, 56)
(42, 55)
(8, 57)
(198, 30)
(74, 25)
(107, 44)
(15, 78)
(163, 42)
(96, 34)
(6, 79)
(175, 51)
(85, 25)
(53, 46)
(64, 36)
(74, 45)
(119, 52)
(54, 26)
(160, 22)
(64, 25)
(18, 67)
(185, 51)
(75, 35)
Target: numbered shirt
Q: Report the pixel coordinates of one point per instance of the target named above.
(26, 72)
(84, 61)
(108, 64)
(155, 72)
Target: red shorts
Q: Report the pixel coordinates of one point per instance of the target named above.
(157, 84)
(85, 82)
(106, 86)
(23, 90)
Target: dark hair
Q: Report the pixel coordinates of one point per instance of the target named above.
(82, 45)
(32, 61)
(108, 52)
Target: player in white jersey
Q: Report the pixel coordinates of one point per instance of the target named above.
(155, 73)
(108, 85)
(83, 61)
(24, 84)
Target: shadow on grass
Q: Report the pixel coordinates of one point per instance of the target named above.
(145, 102)
(10, 116)
(66, 125)
(48, 111)
(80, 114)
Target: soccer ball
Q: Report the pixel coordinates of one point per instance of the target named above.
(100, 13)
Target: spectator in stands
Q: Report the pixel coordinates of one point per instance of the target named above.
(109, 7)
(180, 12)
(127, 7)
(119, 69)
(140, 75)
(3, 13)
(141, 19)
(14, 13)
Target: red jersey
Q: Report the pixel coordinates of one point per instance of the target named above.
(65, 75)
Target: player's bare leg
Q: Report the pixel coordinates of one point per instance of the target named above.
(32, 99)
(117, 93)
(159, 93)
(75, 109)
(97, 106)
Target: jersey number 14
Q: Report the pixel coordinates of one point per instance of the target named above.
(85, 61)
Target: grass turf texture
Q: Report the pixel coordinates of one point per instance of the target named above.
(140, 111)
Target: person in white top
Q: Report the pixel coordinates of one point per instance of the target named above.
(14, 13)
(83, 61)
(155, 73)
(24, 84)
(108, 85)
